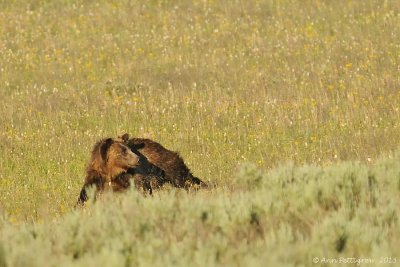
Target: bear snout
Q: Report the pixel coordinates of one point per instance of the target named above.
(132, 159)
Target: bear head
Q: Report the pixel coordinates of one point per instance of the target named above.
(111, 157)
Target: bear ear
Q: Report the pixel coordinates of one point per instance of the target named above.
(125, 137)
(104, 148)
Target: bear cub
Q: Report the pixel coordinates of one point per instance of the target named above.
(154, 155)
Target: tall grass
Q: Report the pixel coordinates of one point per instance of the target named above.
(221, 82)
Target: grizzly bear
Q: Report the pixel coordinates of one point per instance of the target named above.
(113, 164)
(175, 170)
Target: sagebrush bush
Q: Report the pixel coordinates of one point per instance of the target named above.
(302, 212)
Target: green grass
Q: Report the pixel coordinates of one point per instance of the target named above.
(223, 83)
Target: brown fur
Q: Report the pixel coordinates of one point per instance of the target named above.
(176, 172)
(110, 160)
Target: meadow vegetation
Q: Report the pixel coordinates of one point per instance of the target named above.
(284, 107)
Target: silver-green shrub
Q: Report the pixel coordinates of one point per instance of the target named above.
(285, 217)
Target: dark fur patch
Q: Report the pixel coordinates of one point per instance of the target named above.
(105, 146)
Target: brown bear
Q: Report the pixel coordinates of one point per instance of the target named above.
(175, 170)
(113, 164)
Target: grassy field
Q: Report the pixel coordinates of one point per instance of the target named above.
(283, 107)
